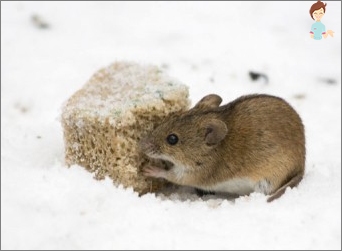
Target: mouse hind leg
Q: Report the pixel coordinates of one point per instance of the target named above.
(294, 181)
(201, 193)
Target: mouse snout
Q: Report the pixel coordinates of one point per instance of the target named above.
(147, 146)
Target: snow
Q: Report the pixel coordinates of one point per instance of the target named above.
(143, 86)
(210, 46)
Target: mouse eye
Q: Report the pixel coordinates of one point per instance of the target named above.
(172, 139)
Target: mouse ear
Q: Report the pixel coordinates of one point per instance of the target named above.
(208, 102)
(215, 131)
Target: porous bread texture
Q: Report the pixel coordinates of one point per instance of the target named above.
(103, 121)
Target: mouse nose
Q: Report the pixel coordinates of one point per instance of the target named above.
(143, 144)
(146, 145)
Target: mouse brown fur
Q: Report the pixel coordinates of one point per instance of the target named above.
(255, 143)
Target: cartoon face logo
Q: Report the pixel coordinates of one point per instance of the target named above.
(318, 31)
(318, 14)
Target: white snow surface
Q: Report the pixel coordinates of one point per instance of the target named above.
(211, 47)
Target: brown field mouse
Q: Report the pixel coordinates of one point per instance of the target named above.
(255, 143)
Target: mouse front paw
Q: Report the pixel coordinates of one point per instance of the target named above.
(153, 171)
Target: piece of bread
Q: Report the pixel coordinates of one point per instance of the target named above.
(104, 121)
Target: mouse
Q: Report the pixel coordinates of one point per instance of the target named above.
(255, 143)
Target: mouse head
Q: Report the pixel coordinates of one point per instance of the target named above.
(189, 136)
